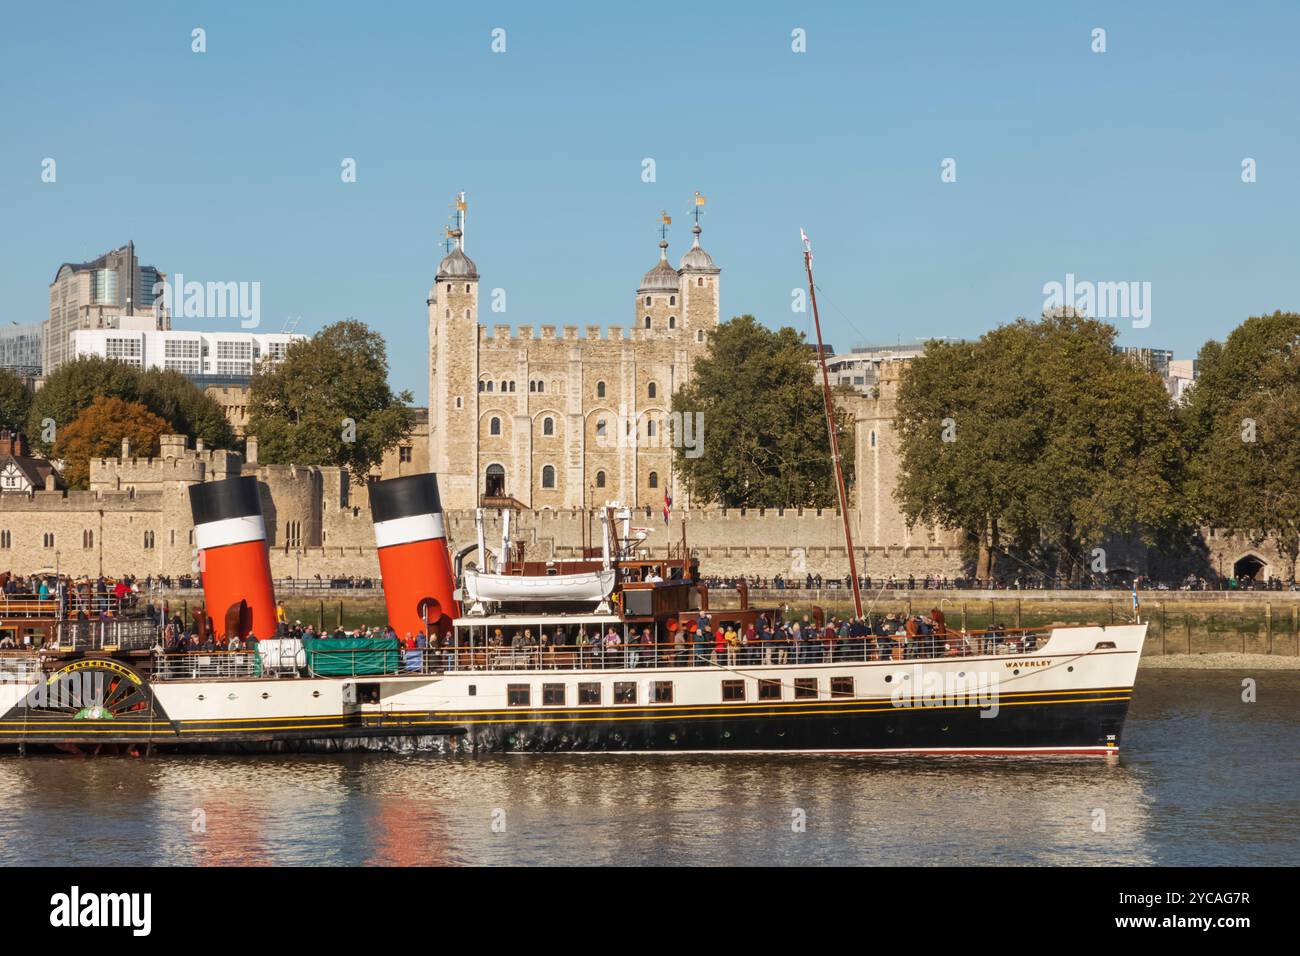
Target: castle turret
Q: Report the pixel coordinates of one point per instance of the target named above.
(454, 368)
(700, 288)
(659, 298)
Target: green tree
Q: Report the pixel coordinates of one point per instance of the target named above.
(1040, 438)
(1243, 433)
(15, 401)
(72, 387)
(765, 442)
(968, 421)
(328, 402)
(98, 432)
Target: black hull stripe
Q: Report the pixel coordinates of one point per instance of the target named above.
(629, 712)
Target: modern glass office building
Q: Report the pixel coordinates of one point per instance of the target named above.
(20, 348)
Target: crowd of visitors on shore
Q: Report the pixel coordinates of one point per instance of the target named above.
(1023, 582)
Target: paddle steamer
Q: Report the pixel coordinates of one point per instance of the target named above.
(599, 653)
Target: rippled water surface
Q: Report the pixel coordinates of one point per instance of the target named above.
(1205, 778)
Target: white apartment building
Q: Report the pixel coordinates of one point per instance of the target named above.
(206, 357)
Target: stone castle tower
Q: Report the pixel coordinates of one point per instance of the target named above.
(558, 421)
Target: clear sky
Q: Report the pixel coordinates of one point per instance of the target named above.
(1117, 166)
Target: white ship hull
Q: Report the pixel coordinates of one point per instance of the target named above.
(1069, 696)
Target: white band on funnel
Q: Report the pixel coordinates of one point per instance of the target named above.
(406, 530)
(218, 534)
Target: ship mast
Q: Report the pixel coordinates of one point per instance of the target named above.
(830, 426)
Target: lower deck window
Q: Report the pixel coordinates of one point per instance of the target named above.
(625, 692)
(769, 690)
(589, 693)
(841, 686)
(662, 691)
(518, 695)
(733, 690)
(553, 694)
(805, 688)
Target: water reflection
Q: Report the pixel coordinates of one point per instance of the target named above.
(1204, 778)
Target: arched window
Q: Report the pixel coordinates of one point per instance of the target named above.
(600, 428)
(532, 385)
(600, 389)
(505, 386)
(647, 300)
(466, 286)
(650, 428)
(512, 386)
(480, 386)
(467, 313)
(647, 321)
(873, 439)
(541, 386)
(672, 300)
(494, 427)
(654, 479)
(672, 321)
(548, 426)
(88, 539)
(699, 335)
(650, 389)
(548, 476)
(495, 483)
(700, 281)
(448, 315)
(448, 286)
(600, 479)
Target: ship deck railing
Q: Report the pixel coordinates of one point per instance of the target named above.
(349, 662)
(19, 667)
(125, 633)
(208, 665)
(775, 652)
(24, 606)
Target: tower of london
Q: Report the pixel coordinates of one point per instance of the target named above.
(551, 419)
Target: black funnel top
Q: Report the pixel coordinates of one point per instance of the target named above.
(405, 497)
(227, 498)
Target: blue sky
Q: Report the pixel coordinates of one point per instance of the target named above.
(1120, 166)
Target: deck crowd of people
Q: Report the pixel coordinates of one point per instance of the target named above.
(704, 642)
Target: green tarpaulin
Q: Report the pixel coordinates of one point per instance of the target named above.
(334, 656)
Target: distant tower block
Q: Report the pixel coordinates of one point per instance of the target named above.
(413, 559)
(231, 539)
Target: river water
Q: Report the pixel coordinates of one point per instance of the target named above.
(1205, 778)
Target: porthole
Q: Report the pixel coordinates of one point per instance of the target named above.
(265, 696)
(201, 697)
(672, 738)
(1016, 671)
(315, 693)
(232, 696)
(726, 735)
(889, 678)
(1070, 669)
(961, 673)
